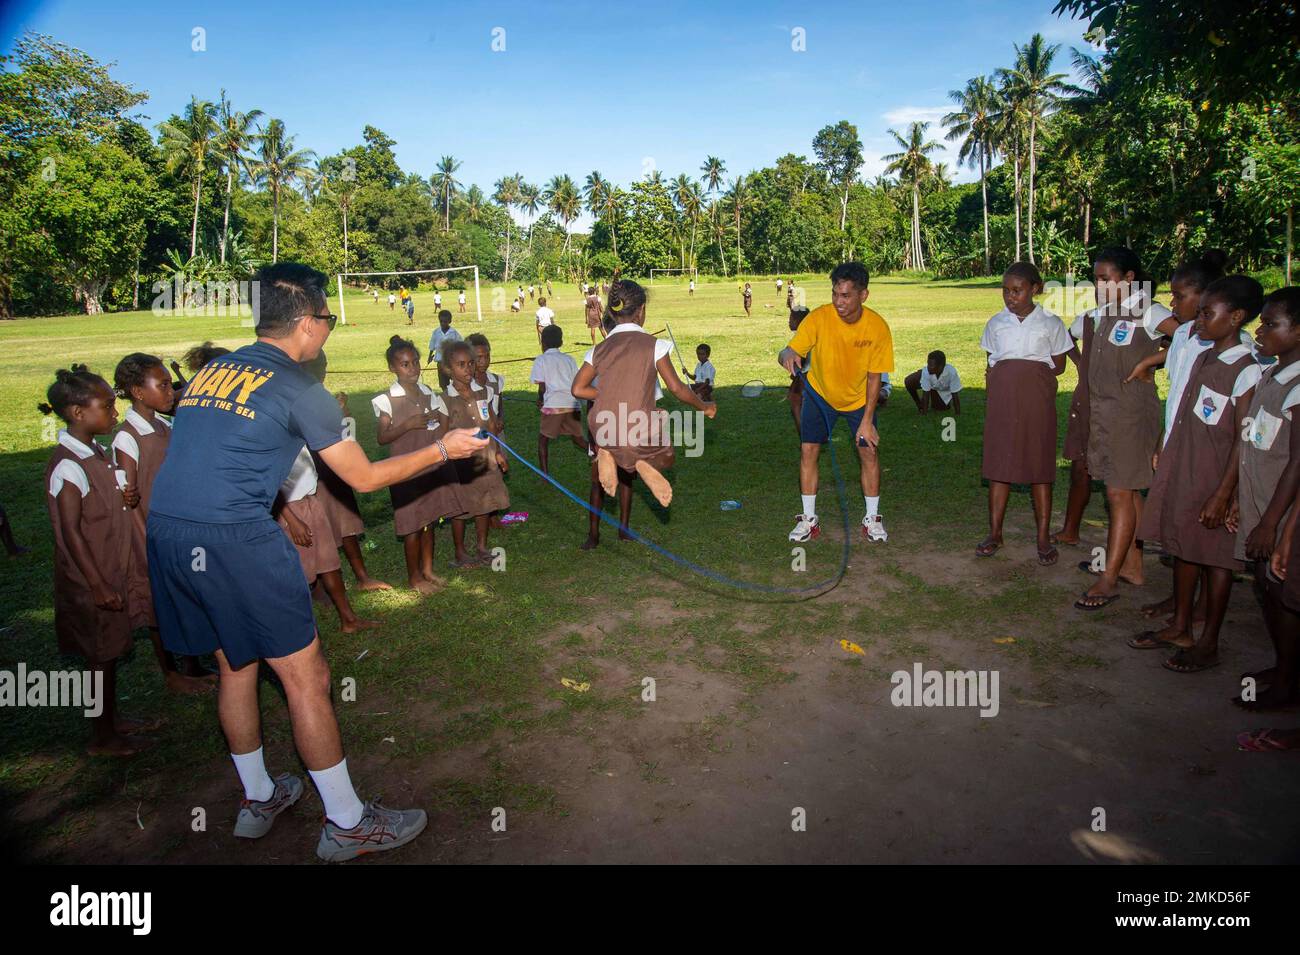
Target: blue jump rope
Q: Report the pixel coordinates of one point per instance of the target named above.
(826, 584)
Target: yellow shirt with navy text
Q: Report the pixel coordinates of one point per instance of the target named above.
(843, 354)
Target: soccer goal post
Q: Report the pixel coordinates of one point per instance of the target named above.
(341, 276)
(682, 272)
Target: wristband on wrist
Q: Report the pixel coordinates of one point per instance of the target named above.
(443, 448)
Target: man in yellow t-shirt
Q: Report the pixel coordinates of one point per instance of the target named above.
(851, 347)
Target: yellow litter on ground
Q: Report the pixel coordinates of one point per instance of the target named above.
(852, 647)
(575, 685)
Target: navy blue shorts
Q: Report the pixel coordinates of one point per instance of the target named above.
(234, 587)
(817, 419)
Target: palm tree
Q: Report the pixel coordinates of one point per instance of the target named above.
(507, 195)
(530, 201)
(602, 201)
(1038, 89)
(235, 139)
(280, 166)
(563, 199)
(738, 199)
(713, 170)
(475, 202)
(719, 229)
(692, 202)
(1010, 123)
(188, 143)
(343, 191)
(444, 186)
(912, 166)
(973, 124)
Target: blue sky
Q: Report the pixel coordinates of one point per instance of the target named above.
(580, 86)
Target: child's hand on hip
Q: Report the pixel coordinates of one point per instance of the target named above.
(105, 598)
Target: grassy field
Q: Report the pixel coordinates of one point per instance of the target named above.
(459, 692)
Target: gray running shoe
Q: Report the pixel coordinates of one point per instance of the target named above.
(380, 829)
(255, 818)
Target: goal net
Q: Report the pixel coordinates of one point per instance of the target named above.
(679, 274)
(458, 279)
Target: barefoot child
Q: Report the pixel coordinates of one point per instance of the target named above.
(89, 507)
(935, 386)
(138, 451)
(1026, 346)
(629, 431)
(411, 417)
(299, 511)
(1123, 419)
(704, 375)
(553, 373)
(1269, 477)
(1196, 477)
(481, 489)
(336, 496)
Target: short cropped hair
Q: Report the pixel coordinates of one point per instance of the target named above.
(854, 272)
(286, 292)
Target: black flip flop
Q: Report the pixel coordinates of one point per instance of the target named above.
(1106, 601)
(1146, 640)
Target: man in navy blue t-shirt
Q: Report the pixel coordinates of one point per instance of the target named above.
(227, 580)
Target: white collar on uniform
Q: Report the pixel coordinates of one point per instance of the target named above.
(1281, 376)
(1232, 354)
(397, 390)
(141, 423)
(1008, 315)
(627, 327)
(77, 447)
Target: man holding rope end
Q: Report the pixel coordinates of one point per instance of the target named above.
(227, 580)
(851, 347)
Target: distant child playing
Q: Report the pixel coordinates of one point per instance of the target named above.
(553, 373)
(748, 298)
(1026, 346)
(481, 489)
(411, 417)
(441, 335)
(594, 314)
(704, 375)
(89, 510)
(935, 386)
(1196, 477)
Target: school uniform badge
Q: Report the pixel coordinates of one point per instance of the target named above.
(1122, 333)
(483, 409)
(1264, 429)
(1210, 405)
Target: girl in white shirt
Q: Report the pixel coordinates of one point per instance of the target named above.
(1026, 346)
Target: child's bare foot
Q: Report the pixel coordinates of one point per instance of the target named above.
(369, 583)
(434, 579)
(607, 471)
(591, 543)
(656, 482)
(117, 745)
(421, 585)
(1069, 540)
(181, 683)
(1162, 608)
(359, 623)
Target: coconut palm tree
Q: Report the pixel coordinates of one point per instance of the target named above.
(913, 166)
(718, 229)
(973, 124)
(692, 202)
(564, 200)
(713, 170)
(507, 195)
(1011, 124)
(738, 198)
(188, 142)
(1033, 84)
(344, 193)
(278, 166)
(234, 140)
(445, 186)
(530, 201)
(474, 202)
(602, 202)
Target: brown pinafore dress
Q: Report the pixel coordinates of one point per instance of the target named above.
(1265, 450)
(430, 495)
(482, 489)
(1192, 465)
(339, 502)
(153, 448)
(593, 311)
(1076, 431)
(624, 409)
(1124, 420)
(82, 628)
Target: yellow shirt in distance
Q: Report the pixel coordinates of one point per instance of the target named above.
(844, 354)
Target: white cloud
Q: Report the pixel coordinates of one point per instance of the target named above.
(903, 115)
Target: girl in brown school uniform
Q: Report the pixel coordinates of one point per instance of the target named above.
(89, 506)
(1196, 478)
(138, 451)
(336, 497)
(481, 489)
(1026, 346)
(411, 417)
(494, 382)
(1124, 417)
(626, 366)
(1269, 477)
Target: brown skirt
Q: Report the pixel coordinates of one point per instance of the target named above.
(1076, 431)
(1020, 423)
(139, 596)
(323, 554)
(482, 489)
(424, 499)
(339, 502)
(556, 425)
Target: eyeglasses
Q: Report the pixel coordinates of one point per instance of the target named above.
(331, 319)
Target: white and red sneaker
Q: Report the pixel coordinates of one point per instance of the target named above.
(873, 529)
(806, 529)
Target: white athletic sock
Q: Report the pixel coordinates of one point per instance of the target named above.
(809, 505)
(873, 505)
(342, 807)
(258, 785)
